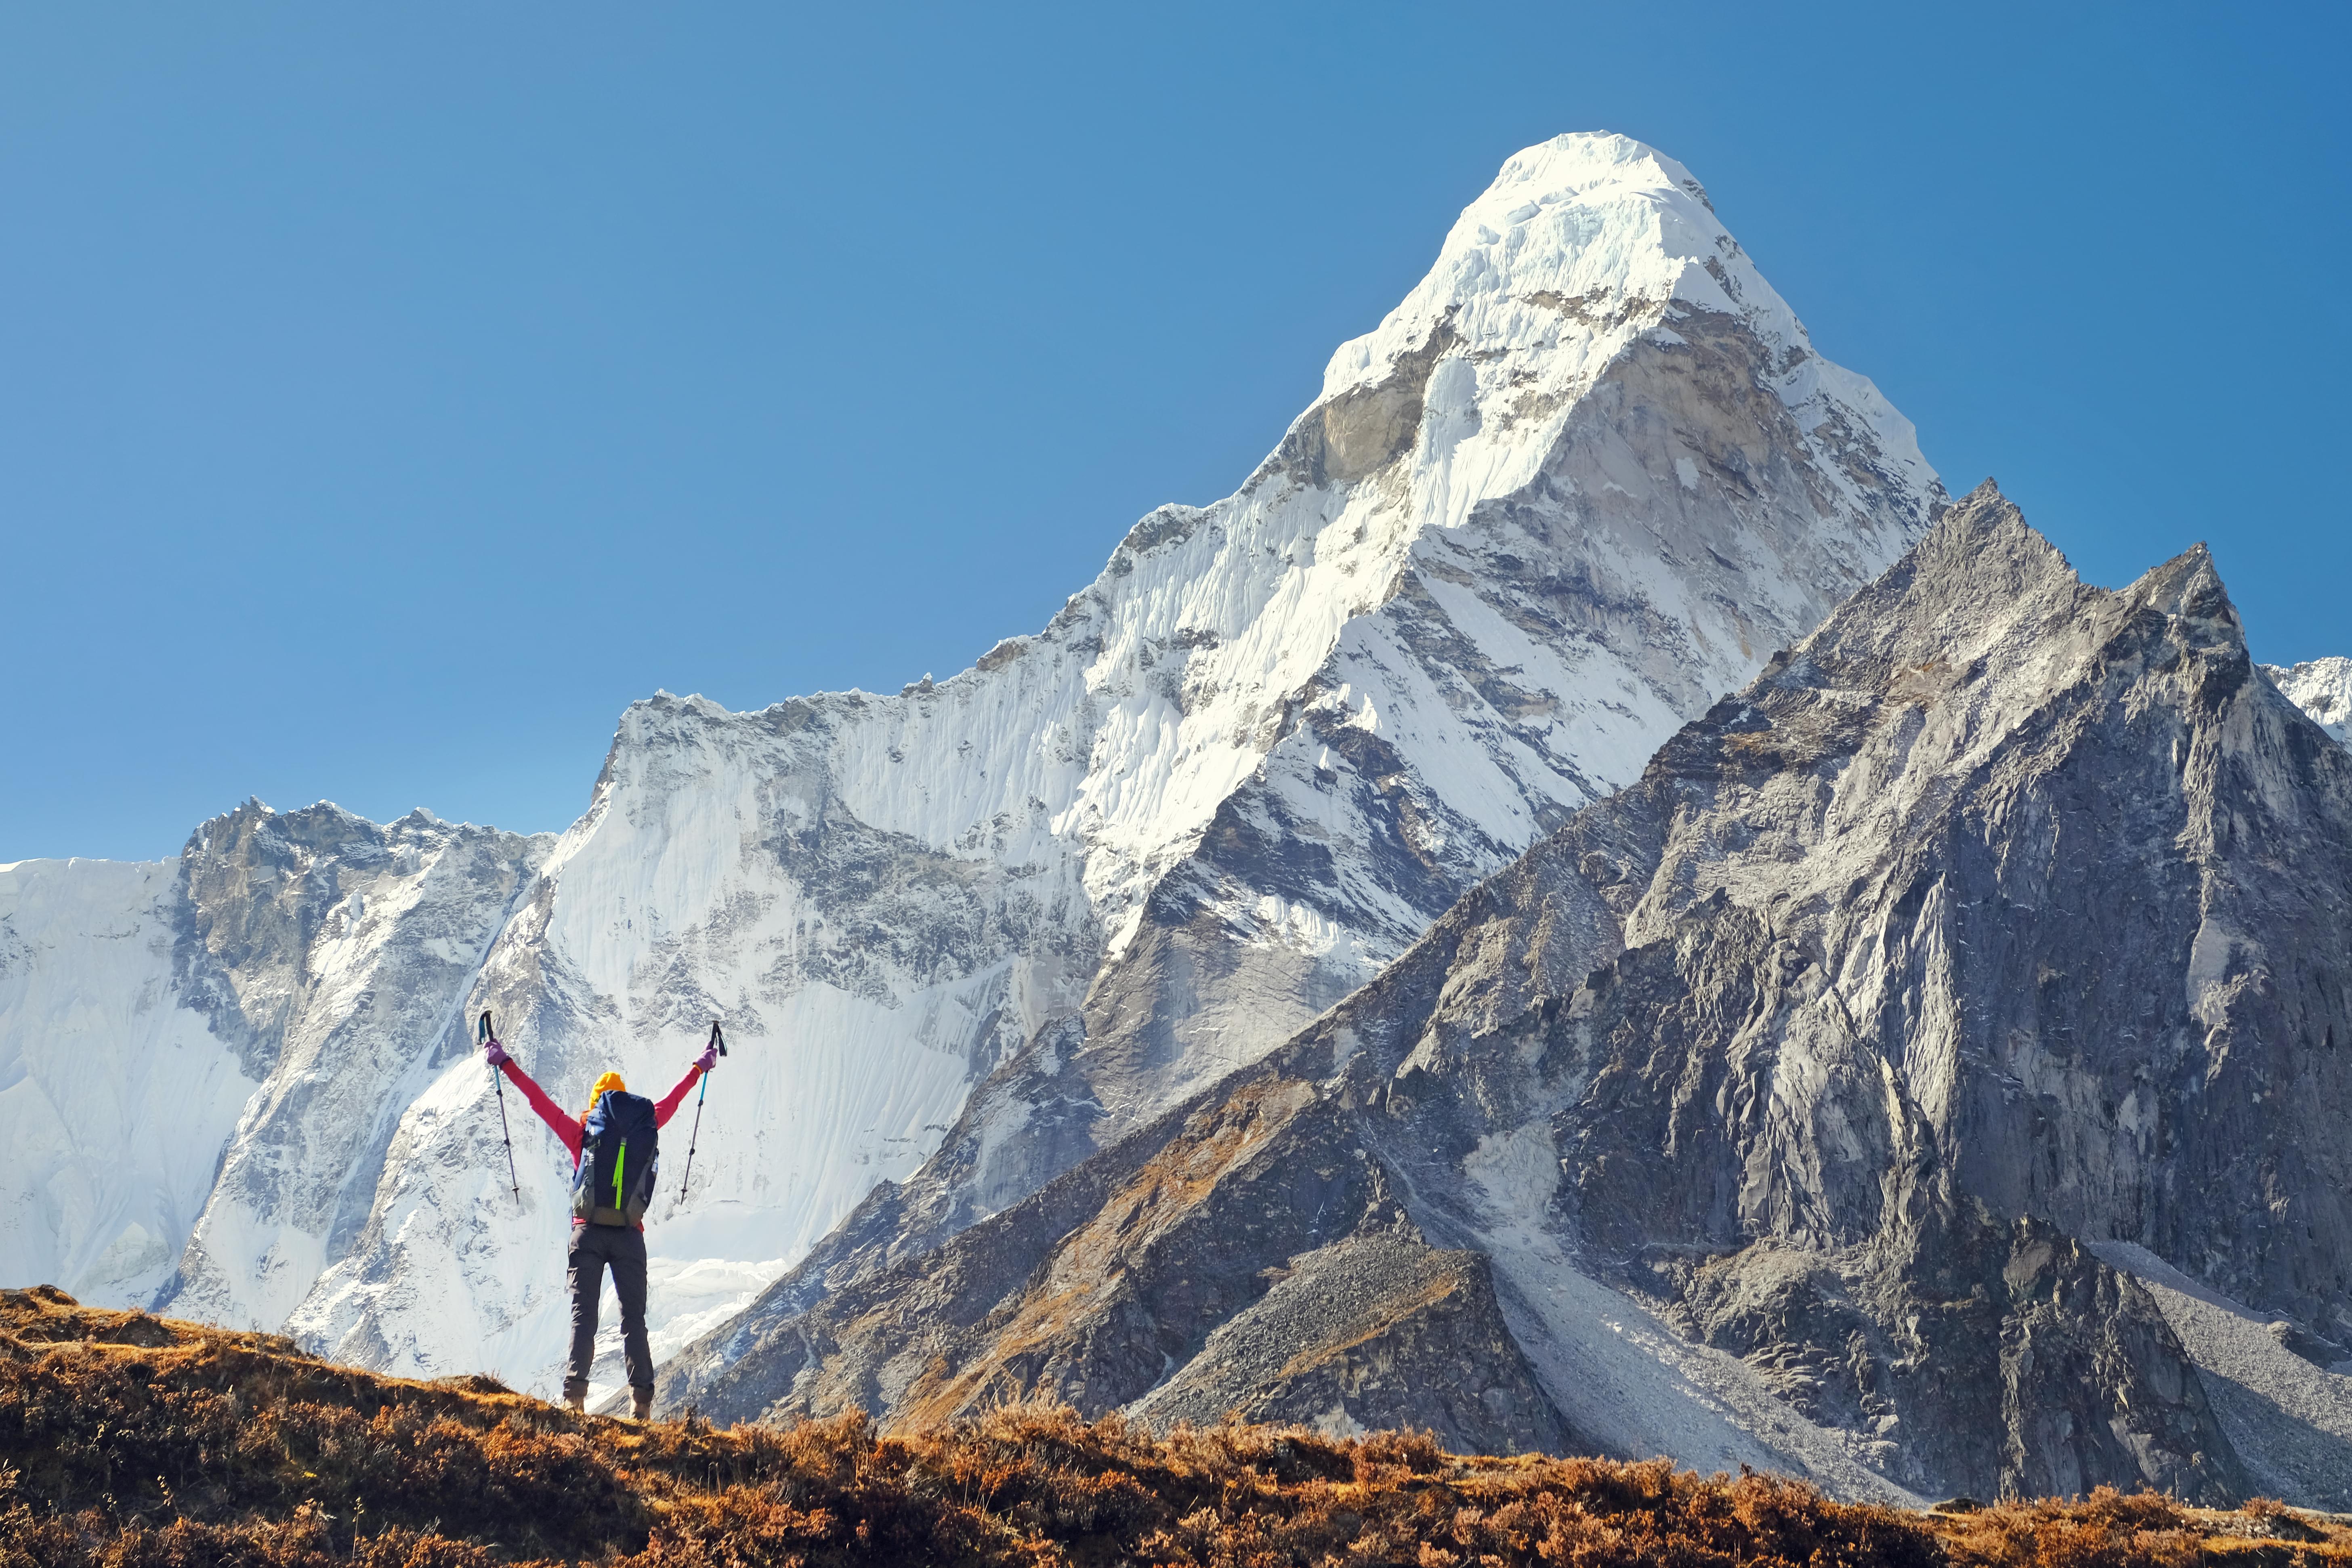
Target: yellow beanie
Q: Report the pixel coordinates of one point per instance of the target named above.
(610, 1080)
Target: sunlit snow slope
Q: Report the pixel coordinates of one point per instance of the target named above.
(114, 1101)
(1587, 476)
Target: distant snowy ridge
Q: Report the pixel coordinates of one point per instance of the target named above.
(117, 1103)
(2321, 688)
(1589, 476)
(337, 956)
(172, 1032)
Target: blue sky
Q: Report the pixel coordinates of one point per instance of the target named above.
(388, 395)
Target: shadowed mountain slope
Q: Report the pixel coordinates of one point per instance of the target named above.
(1787, 1093)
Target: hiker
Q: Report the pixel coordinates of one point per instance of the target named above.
(608, 1225)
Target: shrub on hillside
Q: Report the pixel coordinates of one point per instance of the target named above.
(132, 1442)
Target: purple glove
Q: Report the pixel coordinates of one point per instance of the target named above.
(709, 1058)
(494, 1054)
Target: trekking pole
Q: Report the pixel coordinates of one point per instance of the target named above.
(483, 1036)
(718, 1040)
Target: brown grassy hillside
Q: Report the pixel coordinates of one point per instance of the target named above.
(131, 1440)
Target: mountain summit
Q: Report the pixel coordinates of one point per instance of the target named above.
(1587, 478)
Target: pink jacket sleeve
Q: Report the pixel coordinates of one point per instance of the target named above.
(667, 1107)
(565, 1127)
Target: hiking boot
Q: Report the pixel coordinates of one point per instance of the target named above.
(576, 1401)
(641, 1404)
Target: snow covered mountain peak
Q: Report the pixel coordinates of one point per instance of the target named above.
(1580, 225)
(1582, 245)
(1587, 478)
(1584, 480)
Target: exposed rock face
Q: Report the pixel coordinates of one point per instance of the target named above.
(2003, 916)
(334, 956)
(1377, 1331)
(2268, 1379)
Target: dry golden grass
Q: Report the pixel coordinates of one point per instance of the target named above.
(129, 1440)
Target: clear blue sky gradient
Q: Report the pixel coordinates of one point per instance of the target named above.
(389, 395)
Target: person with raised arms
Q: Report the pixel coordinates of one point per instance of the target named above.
(616, 1151)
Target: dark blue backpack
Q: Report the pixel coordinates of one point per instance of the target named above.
(620, 1153)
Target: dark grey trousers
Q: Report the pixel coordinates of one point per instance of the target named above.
(622, 1247)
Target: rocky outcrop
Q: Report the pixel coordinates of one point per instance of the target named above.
(334, 955)
(2000, 918)
(1374, 1332)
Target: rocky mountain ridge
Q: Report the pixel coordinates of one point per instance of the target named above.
(1794, 1099)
